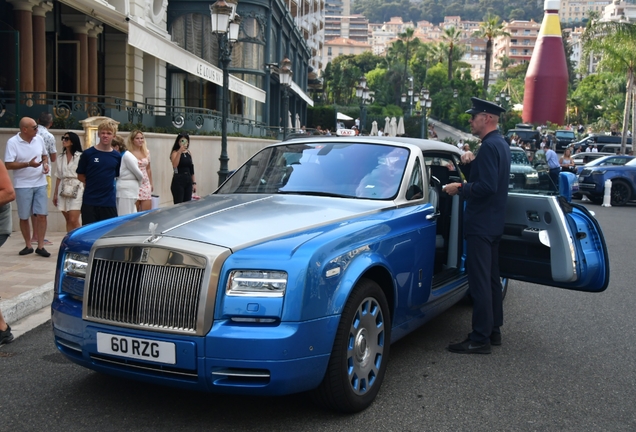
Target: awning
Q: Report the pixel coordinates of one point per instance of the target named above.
(296, 89)
(163, 49)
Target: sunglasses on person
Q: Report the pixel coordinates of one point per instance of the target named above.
(65, 138)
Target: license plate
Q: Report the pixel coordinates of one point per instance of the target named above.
(135, 348)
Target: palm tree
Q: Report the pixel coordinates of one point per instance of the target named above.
(616, 43)
(406, 38)
(504, 63)
(490, 29)
(452, 36)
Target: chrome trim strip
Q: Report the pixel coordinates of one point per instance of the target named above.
(159, 370)
(244, 373)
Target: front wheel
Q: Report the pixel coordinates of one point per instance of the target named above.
(360, 351)
(621, 193)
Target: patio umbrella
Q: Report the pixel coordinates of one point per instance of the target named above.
(297, 121)
(341, 116)
(393, 127)
(374, 128)
(400, 127)
(289, 121)
(387, 124)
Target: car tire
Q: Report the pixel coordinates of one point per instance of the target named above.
(360, 351)
(620, 194)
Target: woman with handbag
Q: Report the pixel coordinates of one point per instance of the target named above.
(68, 193)
(137, 146)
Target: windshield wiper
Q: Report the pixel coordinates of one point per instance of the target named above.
(315, 193)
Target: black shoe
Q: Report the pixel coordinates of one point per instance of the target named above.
(470, 347)
(43, 252)
(26, 251)
(495, 339)
(6, 336)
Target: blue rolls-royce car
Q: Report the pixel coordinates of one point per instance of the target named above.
(299, 272)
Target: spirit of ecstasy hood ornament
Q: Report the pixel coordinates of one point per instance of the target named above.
(151, 229)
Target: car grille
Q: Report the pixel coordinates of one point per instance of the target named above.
(145, 295)
(518, 181)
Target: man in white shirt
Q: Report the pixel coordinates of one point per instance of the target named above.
(44, 123)
(27, 157)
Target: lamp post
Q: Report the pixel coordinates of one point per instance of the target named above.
(426, 104)
(363, 93)
(408, 99)
(225, 24)
(285, 76)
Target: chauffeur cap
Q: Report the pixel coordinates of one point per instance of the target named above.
(484, 106)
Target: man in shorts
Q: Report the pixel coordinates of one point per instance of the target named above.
(44, 124)
(27, 157)
(97, 168)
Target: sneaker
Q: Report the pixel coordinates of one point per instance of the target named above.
(6, 336)
(470, 347)
(495, 338)
(26, 251)
(43, 252)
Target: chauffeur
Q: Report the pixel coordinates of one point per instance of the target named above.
(485, 194)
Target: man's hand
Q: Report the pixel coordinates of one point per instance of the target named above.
(452, 188)
(468, 157)
(33, 163)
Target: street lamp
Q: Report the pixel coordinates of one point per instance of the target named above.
(225, 24)
(363, 93)
(426, 104)
(285, 76)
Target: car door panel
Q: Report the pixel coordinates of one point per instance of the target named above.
(552, 242)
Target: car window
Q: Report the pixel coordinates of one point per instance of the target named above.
(334, 169)
(415, 188)
(565, 135)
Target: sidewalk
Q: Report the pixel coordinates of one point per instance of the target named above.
(26, 284)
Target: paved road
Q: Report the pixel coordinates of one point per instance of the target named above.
(567, 363)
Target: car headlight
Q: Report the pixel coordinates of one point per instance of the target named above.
(75, 264)
(257, 283)
(600, 172)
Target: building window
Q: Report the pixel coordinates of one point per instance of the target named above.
(328, 51)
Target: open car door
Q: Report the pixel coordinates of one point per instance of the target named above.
(550, 241)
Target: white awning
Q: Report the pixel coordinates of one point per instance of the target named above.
(148, 42)
(296, 89)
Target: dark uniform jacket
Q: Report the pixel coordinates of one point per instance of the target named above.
(486, 192)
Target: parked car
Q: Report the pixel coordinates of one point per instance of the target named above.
(522, 173)
(583, 158)
(563, 139)
(620, 169)
(299, 272)
(529, 136)
(600, 140)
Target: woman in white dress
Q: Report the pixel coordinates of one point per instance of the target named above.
(67, 177)
(129, 180)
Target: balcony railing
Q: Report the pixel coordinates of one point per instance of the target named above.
(69, 109)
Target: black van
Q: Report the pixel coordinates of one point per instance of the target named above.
(601, 141)
(529, 136)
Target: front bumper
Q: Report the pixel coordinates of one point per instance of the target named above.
(238, 358)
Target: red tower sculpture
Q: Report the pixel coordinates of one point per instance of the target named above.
(546, 89)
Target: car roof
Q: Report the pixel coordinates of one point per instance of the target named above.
(422, 144)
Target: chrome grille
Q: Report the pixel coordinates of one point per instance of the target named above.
(145, 295)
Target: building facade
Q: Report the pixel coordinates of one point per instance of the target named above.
(519, 45)
(156, 62)
(575, 11)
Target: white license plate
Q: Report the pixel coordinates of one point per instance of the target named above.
(135, 348)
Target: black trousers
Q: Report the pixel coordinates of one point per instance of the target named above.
(181, 188)
(92, 214)
(482, 265)
(554, 176)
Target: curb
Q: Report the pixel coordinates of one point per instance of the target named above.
(27, 303)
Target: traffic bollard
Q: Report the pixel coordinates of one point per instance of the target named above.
(607, 194)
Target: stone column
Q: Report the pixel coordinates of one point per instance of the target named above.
(23, 11)
(39, 46)
(92, 59)
(81, 26)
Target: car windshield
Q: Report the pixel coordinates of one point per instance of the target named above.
(611, 160)
(519, 158)
(352, 170)
(565, 134)
(632, 162)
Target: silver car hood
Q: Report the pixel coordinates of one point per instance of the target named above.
(236, 221)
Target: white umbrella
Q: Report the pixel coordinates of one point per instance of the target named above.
(387, 125)
(297, 121)
(400, 127)
(341, 116)
(289, 121)
(393, 127)
(374, 128)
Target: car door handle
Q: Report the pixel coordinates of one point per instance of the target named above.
(432, 216)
